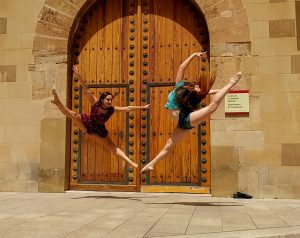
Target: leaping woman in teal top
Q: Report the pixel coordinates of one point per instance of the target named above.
(183, 103)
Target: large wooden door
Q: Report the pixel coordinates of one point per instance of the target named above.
(134, 48)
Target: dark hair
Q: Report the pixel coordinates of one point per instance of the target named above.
(188, 98)
(105, 94)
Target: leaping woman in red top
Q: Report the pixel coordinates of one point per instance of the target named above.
(101, 111)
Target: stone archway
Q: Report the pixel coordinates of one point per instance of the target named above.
(228, 28)
(227, 24)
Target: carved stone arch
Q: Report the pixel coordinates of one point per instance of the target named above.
(227, 22)
(226, 19)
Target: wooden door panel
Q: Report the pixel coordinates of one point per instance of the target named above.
(102, 56)
(136, 47)
(175, 34)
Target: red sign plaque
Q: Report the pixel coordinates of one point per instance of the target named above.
(237, 103)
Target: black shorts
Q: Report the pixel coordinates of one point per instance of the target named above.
(184, 120)
(99, 130)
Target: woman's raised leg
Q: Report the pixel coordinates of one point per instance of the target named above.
(67, 112)
(197, 116)
(176, 136)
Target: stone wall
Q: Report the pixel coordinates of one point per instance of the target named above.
(264, 148)
(258, 154)
(20, 115)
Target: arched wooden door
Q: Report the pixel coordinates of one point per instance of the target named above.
(134, 48)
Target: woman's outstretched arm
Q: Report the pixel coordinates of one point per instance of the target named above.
(130, 108)
(91, 97)
(182, 67)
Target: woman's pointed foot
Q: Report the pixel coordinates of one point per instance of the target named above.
(147, 167)
(234, 79)
(134, 165)
(55, 97)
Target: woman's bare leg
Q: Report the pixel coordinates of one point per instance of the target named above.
(176, 136)
(197, 116)
(175, 115)
(67, 112)
(115, 149)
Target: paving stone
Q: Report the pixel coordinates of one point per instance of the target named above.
(136, 215)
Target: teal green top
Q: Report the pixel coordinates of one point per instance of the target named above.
(172, 103)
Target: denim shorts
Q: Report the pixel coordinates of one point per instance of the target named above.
(184, 120)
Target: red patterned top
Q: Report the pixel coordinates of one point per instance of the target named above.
(95, 122)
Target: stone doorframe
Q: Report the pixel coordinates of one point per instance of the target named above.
(229, 37)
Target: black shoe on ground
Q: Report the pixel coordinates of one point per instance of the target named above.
(242, 195)
(235, 195)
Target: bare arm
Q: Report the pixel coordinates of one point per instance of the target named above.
(185, 63)
(130, 108)
(91, 97)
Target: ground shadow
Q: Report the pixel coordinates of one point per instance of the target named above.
(114, 197)
(202, 204)
(196, 204)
